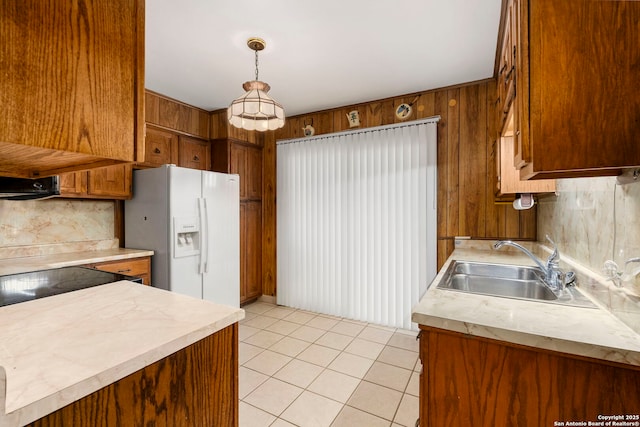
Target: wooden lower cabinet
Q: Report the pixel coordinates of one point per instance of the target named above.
(137, 267)
(196, 386)
(472, 381)
(112, 182)
(250, 250)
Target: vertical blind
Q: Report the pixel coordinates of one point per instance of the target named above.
(356, 221)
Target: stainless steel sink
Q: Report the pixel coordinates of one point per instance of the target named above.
(503, 271)
(508, 281)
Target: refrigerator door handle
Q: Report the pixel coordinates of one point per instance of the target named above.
(206, 237)
(202, 216)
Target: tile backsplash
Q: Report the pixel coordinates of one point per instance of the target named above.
(593, 220)
(55, 224)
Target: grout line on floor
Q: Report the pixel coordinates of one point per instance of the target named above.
(262, 309)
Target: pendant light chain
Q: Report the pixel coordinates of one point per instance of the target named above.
(257, 65)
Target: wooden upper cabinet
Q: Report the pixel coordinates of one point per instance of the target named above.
(576, 88)
(72, 85)
(238, 164)
(73, 184)
(167, 147)
(111, 182)
(508, 176)
(246, 161)
(506, 65)
(161, 148)
(222, 129)
(194, 153)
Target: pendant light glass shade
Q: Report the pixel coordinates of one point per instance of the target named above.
(256, 110)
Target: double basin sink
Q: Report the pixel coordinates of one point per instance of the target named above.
(508, 281)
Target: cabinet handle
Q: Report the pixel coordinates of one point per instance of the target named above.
(196, 158)
(126, 270)
(157, 150)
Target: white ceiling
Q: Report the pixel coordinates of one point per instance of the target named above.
(319, 54)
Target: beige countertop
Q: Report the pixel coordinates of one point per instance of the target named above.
(68, 259)
(588, 332)
(56, 350)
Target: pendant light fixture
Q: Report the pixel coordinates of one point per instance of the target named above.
(256, 110)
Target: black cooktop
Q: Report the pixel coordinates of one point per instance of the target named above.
(15, 288)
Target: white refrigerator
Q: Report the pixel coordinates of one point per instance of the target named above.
(191, 220)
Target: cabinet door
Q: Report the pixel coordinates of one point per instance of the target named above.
(510, 182)
(516, 386)
(583, 88)
(194, 153)
(506, 74)
(520, 38)
(250, 250)
(74, 88)
(247, 162)
(73, 184)
(111, 182)
(254, 174)
(160, 147)
(424, 387)
(238, 164)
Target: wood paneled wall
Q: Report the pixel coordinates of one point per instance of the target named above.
(467, 131)
(171, 114)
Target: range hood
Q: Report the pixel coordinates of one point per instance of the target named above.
(29, 189)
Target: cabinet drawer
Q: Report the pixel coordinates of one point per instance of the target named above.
(139, 267)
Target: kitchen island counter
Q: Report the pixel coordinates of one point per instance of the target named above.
(589, 332)
(57, 350)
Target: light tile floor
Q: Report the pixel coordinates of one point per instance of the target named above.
(305, 369)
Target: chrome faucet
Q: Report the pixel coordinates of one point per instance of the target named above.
(630, 260)
(619, 278)
(554, 277)
(634, 272)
